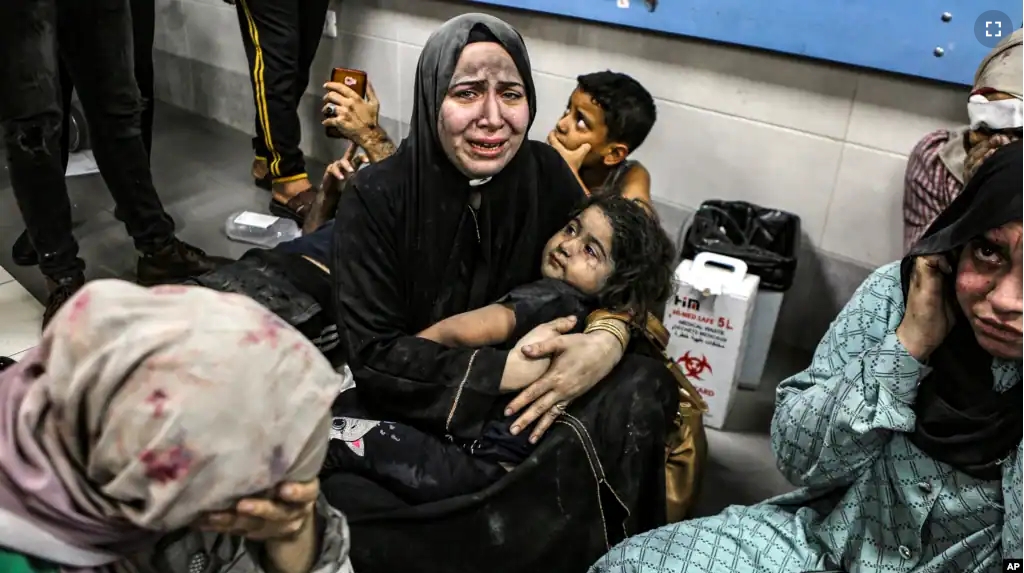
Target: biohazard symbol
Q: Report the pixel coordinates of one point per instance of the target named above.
(694, 366)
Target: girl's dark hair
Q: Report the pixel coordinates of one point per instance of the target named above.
(643, 254)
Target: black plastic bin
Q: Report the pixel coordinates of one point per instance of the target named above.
(768, 240)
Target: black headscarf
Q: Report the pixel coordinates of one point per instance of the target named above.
(961, 419)
(445, 268)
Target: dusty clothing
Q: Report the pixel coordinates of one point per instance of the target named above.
(410, 250)
(901, 466)
(420, 467)
(113, 433)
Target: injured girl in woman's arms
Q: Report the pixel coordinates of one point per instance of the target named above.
(612, 254)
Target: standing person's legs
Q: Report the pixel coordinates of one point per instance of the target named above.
(95, 40)
(67, 89)
(260, 165)
(312, 15)
(22, 252)
(143, 27)
(271, 33)
(143, 15)
(30, 114)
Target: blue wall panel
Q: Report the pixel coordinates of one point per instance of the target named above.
(900, 36)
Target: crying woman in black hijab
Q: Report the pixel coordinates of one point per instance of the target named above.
(455, 219)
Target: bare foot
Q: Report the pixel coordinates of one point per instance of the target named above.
(259, 168)
(283, 192)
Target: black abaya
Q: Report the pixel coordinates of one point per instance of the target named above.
(406, 255)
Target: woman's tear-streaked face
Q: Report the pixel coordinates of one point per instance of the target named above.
(988, 289)
(485, 113)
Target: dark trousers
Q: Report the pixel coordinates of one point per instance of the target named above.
(94, 39)
(413, 465)
(281, 38)
(143, 29)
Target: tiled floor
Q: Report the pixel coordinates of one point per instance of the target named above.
(201, 170)
(20, 314)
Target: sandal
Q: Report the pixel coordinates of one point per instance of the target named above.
(296, 208)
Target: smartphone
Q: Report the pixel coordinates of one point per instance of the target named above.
(356, 81)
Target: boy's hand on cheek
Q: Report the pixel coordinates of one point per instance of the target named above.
(574, 157)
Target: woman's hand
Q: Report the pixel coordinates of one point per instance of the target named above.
(928, 318)
(521, 370)
(578, 363)
(352, 115)
(574, 157)
(262, 519)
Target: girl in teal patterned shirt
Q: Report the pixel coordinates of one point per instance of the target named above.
(904, 435)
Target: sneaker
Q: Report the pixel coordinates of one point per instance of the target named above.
(175, 263)
(23, 253)
(60, 291)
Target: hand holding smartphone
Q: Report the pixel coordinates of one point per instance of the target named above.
(354, 80)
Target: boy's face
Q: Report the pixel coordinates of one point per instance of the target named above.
(581, 253)
(583, 122)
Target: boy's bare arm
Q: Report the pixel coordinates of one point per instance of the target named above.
(492, 324)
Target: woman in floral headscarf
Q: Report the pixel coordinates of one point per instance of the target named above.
(143, 411)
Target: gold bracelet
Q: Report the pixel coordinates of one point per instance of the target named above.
(619, 326)
(612, 327)
(610, 330)
(601, 314)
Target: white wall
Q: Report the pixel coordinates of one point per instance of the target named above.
(826, 142)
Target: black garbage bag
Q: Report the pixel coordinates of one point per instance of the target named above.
(766, 239)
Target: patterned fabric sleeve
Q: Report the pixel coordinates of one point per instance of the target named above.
(199, 552)
(1012, 510)
(832, 420)
(334, 543)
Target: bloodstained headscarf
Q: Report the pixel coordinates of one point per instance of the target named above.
(141, 410)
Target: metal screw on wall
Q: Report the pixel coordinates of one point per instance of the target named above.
(946, 16)
(938, 52)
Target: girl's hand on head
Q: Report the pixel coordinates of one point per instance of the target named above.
(259, 519)
(928, 318)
